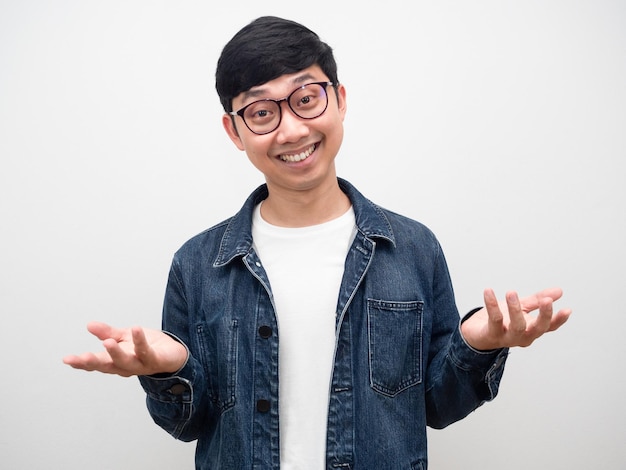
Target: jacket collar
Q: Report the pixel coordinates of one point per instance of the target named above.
(371, 221)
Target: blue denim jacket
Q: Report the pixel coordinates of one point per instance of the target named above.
(400, 362)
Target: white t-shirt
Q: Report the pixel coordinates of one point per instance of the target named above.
(305, 266)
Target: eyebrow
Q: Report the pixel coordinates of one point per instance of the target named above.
(259, 92)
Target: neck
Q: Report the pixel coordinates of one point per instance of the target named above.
(297, 208)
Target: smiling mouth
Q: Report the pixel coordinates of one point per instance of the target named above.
(298, 157)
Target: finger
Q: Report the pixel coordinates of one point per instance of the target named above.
(517, 322)
(493, 307)
(143, 351)
(555, 293)
(74, 361)
(542, 323)
(89, 361)
(120, 359)
(533, 302)
(100, 362)
(559, 319)
(103, 331)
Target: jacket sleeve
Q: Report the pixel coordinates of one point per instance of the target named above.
(459, 378)
(176, 401)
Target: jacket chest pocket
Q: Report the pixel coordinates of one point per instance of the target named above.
(395, 345)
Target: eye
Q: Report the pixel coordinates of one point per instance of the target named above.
(305, 98)
(261, 111)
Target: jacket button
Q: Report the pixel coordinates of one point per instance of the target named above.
(263, 406)
(265, 331)
(178, 389)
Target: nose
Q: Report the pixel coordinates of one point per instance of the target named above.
(291, 128)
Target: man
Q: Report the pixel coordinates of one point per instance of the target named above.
(314, 329)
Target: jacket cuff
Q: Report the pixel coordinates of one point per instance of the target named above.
(167, 387)
(469, 358)
(489, 363)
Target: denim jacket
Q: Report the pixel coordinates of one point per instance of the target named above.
(400, 362)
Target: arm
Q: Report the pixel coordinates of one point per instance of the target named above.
(474, 361)
(172, 379)
(162, 365)
(459, 378)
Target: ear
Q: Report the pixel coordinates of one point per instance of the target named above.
(341, 100)
(228, 122)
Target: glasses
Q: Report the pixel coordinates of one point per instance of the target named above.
(307, 102)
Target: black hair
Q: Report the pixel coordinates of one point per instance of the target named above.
(265, 49)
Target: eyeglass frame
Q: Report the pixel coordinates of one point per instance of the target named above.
(240, 111)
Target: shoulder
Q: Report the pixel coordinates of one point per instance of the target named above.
(203, 244)
(409, 232)
(379, 222)
(403, 222)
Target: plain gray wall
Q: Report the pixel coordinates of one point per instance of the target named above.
(499, 124)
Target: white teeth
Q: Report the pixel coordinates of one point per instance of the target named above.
(299, 156)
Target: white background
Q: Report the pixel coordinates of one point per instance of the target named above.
(499, 124)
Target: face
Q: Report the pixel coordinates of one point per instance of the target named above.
(299, 155)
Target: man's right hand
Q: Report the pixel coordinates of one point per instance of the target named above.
(131, 351)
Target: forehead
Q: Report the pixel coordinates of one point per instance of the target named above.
(280, 87)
